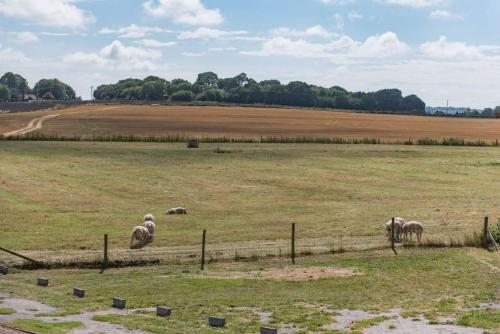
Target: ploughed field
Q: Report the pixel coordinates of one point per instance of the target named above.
(237, 122)
(66, 195)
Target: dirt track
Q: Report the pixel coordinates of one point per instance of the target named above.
(34, 125)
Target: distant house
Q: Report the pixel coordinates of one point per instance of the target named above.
(16, 95)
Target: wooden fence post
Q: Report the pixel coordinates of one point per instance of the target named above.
(106, 257)
(293, 243)
(393, 236)
(203, 244)
(485, 232)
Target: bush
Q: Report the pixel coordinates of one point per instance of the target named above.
(182, 96)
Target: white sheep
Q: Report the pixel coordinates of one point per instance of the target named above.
(149, 218)
(139, 233)
(413, 227)
(181, 211)
(176, 211)
(150, 225)
(398, 228)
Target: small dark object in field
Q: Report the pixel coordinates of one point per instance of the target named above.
(265, 330)
(216, 322)
(193, 143)
(4, 270)
(119, 303)
(42, 281)
(80, 293)
(163, 311)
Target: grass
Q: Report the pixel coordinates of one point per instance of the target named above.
(41, 327)
(487, 319)
(66, 195)
(358, 326)
(458, 280)
(7, 311)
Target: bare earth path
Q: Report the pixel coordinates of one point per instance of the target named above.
(33, 125)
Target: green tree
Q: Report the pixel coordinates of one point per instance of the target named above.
(58, 89)
(154, 90)
(182, 96)
(4, 93)
(208, 79)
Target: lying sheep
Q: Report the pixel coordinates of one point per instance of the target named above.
(398, 228)
(150, 225)
(139, 233)
(149, 218)
(413, 227)
(177, 211)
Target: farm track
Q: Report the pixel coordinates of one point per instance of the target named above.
(34, 125)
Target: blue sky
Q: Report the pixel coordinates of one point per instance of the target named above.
(437, 49)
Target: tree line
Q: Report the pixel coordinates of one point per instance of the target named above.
(14, 87)
(244, 90)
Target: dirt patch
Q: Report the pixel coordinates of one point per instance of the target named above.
(285, 274)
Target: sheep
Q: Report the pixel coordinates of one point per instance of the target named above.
(150, 225)
(176, 211)
(181, 211)
(139, 233)
(149, 218)
(413, 227)
(398, 228)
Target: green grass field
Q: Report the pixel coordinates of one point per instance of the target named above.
(429, 283)
(61, 196)
(57, 195)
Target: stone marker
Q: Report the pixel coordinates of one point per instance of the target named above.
(4, 270)
(119, 303)
(266, 330)
(216, 322)
(163, 311)
(193, 143)
(42, 281)
(80, 293)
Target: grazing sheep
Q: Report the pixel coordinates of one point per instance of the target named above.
(181, 211)
(413, 227)
(150, 225)
(139, 233)
(398, 228)
(149, 218)
(176, 211)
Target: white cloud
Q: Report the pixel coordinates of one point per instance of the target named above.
(133, 31)
(339, 21)
(9, 55)
(229, 48)
(117, 56)
(444, 14)
(194, 54)
(209, 33)
(415, 3)
(342, 49)
(337, 2)
(153, 43)
(51, 13)
(184, 11)
(24, 37)
(314, 31)
(355, 16)
(443, 49)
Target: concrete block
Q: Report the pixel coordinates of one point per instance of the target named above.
(266, 330)
(163, 311)
(119, 303)
(42, 281)
(216, 322)
(80, 293)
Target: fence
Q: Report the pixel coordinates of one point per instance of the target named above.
(287, 249)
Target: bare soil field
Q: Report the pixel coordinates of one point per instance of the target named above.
(237, 122)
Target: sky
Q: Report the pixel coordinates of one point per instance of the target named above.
(438, 49)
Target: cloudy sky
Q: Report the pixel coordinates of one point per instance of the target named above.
(437, 49)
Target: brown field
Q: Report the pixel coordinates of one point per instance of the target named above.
(238, 122)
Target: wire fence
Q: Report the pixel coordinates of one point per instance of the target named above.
(150, 253)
